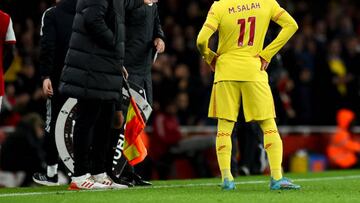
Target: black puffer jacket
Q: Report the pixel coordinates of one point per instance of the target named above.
(96, 52)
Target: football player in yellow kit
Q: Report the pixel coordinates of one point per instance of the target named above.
(240, 64)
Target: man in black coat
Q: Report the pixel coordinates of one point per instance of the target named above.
(55, 36)
(144, 39)
(93, 74)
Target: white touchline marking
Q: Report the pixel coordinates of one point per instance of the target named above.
(178, 186)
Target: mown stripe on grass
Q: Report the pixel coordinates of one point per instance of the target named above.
(180, 186)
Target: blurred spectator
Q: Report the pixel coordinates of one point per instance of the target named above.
(26, 82)
(167, 143)
(305, 54)
(320, 65)
(343, 151)
(352, 61)
(166, 134)
(341, 77)
(22, 150)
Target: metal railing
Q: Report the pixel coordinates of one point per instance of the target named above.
(300, 129)
(284, 130)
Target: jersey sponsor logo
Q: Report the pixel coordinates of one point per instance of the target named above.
(245, 7)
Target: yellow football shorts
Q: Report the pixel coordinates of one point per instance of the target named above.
(255, 97)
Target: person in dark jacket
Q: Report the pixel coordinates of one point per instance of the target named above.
(144, 40)
(55, 36)
(93, 74)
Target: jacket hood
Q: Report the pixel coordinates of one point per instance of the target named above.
(344, 118)
(68, 6)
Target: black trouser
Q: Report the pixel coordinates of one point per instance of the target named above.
(91, 135)
(53, 107)
(246, 137)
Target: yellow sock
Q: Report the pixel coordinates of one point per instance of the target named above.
(273, 147)
(223, 147)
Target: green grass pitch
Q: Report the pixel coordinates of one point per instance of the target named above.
(333, 186)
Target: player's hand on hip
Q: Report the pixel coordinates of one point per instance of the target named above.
(213, 63)
(159, 45)
(47, 87)
(264, 64)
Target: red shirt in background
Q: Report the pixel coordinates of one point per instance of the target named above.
(166, 133)
(7, 36)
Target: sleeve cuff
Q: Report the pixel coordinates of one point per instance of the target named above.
(10, 42)
(44, 78)
(160, 36)
(265, 57)
(210, 57)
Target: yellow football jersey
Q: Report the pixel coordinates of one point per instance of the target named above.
(242, 26)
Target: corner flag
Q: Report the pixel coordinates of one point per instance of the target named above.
(134, 148)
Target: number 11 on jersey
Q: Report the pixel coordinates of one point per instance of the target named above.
(242, 23)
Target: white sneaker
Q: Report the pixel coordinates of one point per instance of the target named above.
(103, 178)
(85, 182)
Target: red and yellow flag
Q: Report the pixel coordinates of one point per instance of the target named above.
(134, 148)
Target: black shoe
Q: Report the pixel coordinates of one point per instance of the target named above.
(122, 181)
(135, 179)
(43, 179)
(139, 181)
